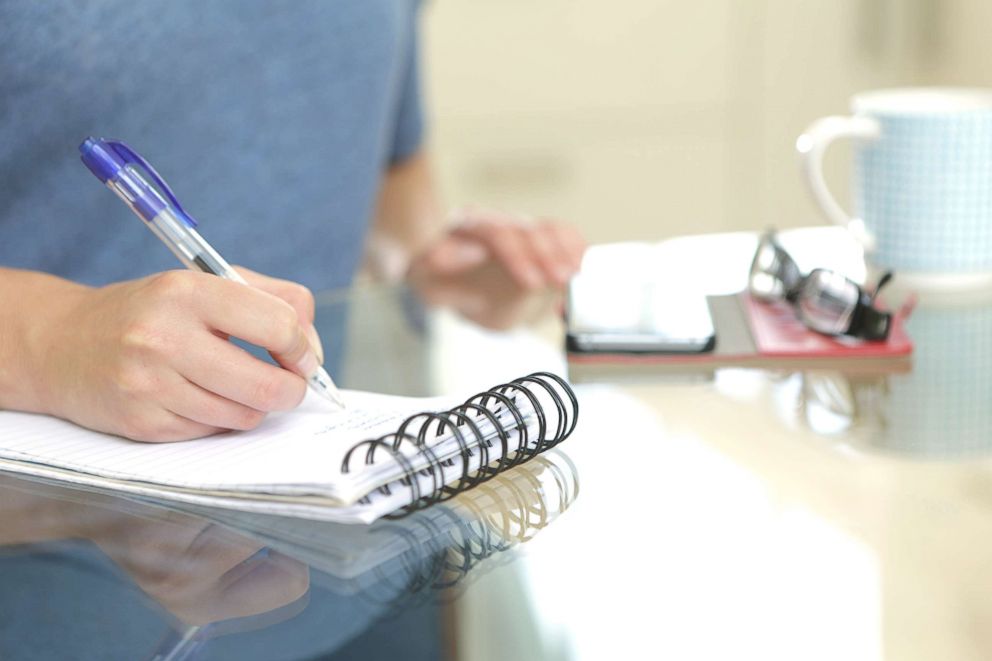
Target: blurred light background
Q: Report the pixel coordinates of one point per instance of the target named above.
(644, 119)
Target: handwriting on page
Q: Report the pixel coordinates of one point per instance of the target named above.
(358, 420)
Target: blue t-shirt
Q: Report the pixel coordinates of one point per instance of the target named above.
(273, 123)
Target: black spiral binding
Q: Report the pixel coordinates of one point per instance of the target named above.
(534, 428)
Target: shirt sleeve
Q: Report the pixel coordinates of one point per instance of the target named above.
(409, 129)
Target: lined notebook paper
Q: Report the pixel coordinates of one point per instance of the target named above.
(293, 463)
(290, 453)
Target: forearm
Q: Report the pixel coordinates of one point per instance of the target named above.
(32, 304)
(408, 218)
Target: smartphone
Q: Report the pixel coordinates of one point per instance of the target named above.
(645, 317)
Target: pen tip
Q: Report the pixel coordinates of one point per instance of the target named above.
(321, 382)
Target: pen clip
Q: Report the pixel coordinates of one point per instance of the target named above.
(132, 157)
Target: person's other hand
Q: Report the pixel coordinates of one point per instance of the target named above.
(534, 254)
(486, 298)
(150, 359)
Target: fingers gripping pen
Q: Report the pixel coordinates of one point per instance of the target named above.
(137, 183)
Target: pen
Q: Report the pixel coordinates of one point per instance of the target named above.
(137, 183)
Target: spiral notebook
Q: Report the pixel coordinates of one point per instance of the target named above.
(383, 455)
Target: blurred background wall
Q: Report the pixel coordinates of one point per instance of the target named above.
(643, 119)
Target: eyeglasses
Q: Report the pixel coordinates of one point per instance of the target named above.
(825, 301)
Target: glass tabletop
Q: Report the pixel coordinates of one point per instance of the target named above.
(814, 513)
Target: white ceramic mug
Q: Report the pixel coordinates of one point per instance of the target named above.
(922, 181)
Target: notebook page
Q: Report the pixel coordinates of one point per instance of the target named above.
(300, 447)
(304, 507)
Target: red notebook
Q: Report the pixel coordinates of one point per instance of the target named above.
(778, 333)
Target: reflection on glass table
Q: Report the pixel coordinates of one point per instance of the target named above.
(435, 548)
(202, 579)
(939, 410)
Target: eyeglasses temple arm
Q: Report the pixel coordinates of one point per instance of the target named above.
(884, 280)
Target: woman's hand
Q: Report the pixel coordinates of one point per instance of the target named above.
(150, 359)
(498, 270)
(533, 254)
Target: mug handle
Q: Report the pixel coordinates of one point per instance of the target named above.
(812, 144)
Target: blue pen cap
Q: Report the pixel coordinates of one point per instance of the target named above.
(101, 159)
(132, 177)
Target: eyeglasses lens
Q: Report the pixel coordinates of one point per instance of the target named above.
(826, 301)
(773, 272)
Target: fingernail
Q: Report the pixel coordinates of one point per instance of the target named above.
(315, 343)
(308, 364)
